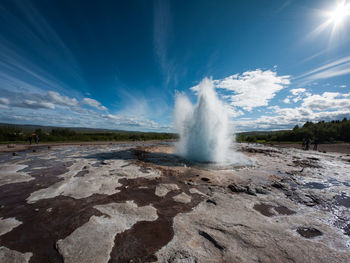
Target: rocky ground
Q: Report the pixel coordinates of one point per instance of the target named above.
(140, 203)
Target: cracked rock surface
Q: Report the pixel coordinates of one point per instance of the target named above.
(138, 202)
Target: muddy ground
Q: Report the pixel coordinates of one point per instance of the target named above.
(138, 202)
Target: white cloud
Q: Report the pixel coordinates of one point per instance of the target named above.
(327, 101)
(61, 100)
(314, 107)
(4, 101)
(296, 92)
(94, 103)
(252, 88)
(297, 95)
(32, 104)
(342, 86)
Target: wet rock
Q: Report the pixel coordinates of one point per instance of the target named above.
(14, 154)
(309, 232)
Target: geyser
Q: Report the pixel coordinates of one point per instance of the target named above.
(205, 133)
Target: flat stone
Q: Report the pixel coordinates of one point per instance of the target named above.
(13, 256)
(10, 174)
(164, 189)
(182, 198)
(7, 224)
(93, 242)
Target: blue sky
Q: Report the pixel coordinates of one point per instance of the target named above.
(119, 64)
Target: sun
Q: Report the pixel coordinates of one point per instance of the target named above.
(338, 15)
(336, 19)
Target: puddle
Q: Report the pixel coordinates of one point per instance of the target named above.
(309, 232)
(315, 185)
(269, 210)
(282, 210)
(342, 200)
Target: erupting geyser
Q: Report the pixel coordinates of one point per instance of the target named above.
(204, 128)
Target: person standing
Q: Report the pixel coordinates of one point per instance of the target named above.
(315, 144)
(36, 139)
(308, 142)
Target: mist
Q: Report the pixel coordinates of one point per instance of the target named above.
(204, 127)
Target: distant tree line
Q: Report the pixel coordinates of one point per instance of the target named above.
(11, 133)
(324, 132)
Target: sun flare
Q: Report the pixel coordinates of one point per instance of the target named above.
(339, 14)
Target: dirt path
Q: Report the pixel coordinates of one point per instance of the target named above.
(334, 147)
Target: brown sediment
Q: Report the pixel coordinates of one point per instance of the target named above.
(144, 239)
(48, 220)
(39, 230)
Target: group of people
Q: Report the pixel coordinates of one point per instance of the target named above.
(34, 137)
(307, 142)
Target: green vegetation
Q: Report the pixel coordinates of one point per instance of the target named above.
(21, 134)
(324, 132)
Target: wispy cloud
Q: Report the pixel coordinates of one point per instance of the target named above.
(52, 108)
(17, 67)
(161, 37)
(284, 5)
(335, 68)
